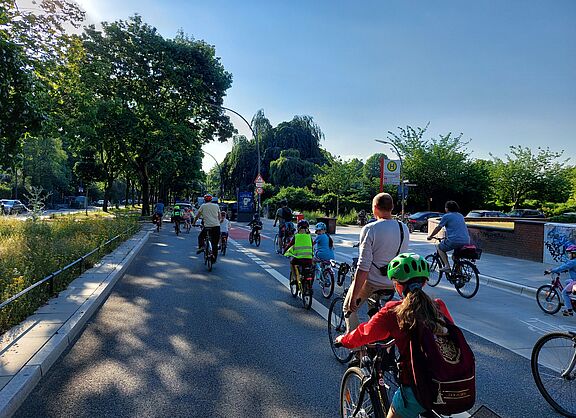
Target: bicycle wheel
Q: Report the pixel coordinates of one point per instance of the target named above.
(336, 327)
(554, 369)
(293, 284)
(257, 240)
(251, 237)
(467, 281)
(350, 392)
(327, 282)
(306, 292)
(177, 228)
(548, 299)
(277, 244)
(435, 273)
(208, 260)
(223, 246)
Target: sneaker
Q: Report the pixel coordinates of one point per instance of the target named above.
(568, 312)
(199, 250)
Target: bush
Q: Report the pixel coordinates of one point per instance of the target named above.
(348, 219)
(565, 219)
(299, 198)
(312, 216)
(30, 251)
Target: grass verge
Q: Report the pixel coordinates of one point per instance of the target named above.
(30, 251)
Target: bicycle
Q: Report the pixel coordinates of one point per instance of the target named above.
(463, 274)
(177, 227)
(553, 364)
(223, 244)
(281, 244)
(188, 225)
(208, 256)
(337, 322)
(255, 236)
(157, 220)
(549, 298)
(302, 284)
(325, 276)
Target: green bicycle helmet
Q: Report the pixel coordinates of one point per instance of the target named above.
(407, 266)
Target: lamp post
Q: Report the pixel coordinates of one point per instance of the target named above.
(253, 134)
(219, 172)
(401, 178)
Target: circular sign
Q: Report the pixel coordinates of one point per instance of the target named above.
(392, 166)
(259, 190)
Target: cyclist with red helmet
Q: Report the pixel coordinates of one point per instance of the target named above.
(300, 247)
(210, 214)
(409, 273)
(570, 267)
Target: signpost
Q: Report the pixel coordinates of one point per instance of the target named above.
(392, 171)
(259, 182)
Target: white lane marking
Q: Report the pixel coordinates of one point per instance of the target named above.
(318, 307)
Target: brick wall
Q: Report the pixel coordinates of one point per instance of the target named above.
(525, 240)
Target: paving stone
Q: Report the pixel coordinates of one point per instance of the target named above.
(18, 353)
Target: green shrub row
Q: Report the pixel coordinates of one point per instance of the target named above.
(30, 251)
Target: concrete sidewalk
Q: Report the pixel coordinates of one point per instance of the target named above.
(28, 350)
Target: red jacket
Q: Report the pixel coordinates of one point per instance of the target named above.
(384, 325)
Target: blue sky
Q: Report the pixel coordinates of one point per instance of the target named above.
(502, 72)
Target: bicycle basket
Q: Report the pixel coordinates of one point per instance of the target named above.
(469, 252)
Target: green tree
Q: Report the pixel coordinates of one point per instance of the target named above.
(335, 177)
(291, 170)
(528, 175)
(442, 170)
(167, 93)
(45, 164)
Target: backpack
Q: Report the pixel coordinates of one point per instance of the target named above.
(287, 214)
(443, 368)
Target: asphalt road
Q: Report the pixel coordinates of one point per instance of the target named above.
(174, 340)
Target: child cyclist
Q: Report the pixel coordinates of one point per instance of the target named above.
(187, 216)
(254, 224)
(224, 225)
(323, 245)
(300, 248)
(570, 267)
(409, 273)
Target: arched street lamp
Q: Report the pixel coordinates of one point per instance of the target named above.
(401, 178)
(219, 172)
(253, 135)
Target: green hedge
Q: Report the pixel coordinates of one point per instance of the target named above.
(30, 251)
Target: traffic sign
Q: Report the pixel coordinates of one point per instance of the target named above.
(259, 190)
(259, 182)
(392, 171)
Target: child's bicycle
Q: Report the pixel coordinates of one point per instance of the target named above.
(187, 225)
(254, 236)
(157, 220)
(302, 284)
(463, 274)
(325, 277)
(549, 297)
(223, 244)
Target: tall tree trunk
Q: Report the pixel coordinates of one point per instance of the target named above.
(133, 195)
(107, 193)
(127, 192)
(337, 205)
(145, 192)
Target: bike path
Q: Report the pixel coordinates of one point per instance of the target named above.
(175, 340)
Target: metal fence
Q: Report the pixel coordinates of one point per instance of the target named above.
(81, 261)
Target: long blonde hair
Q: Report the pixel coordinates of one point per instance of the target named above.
(418, 307)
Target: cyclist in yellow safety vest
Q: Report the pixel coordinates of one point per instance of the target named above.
(300, 248)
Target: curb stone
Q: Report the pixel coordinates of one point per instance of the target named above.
(15, 392)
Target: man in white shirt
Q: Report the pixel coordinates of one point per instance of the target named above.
(380, 242)
(210, 213)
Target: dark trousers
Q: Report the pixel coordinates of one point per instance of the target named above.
(214, 238)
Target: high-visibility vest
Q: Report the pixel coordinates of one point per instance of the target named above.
(176, 211)
(302, 246)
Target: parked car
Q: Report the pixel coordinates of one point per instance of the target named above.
(526, 213)
(12, 206)
(183, 205)
(419, 221)
(482, 213)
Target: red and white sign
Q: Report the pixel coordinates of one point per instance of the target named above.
(259, 190)
(259, 182)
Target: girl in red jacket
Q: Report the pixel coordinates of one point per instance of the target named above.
(409, 273)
